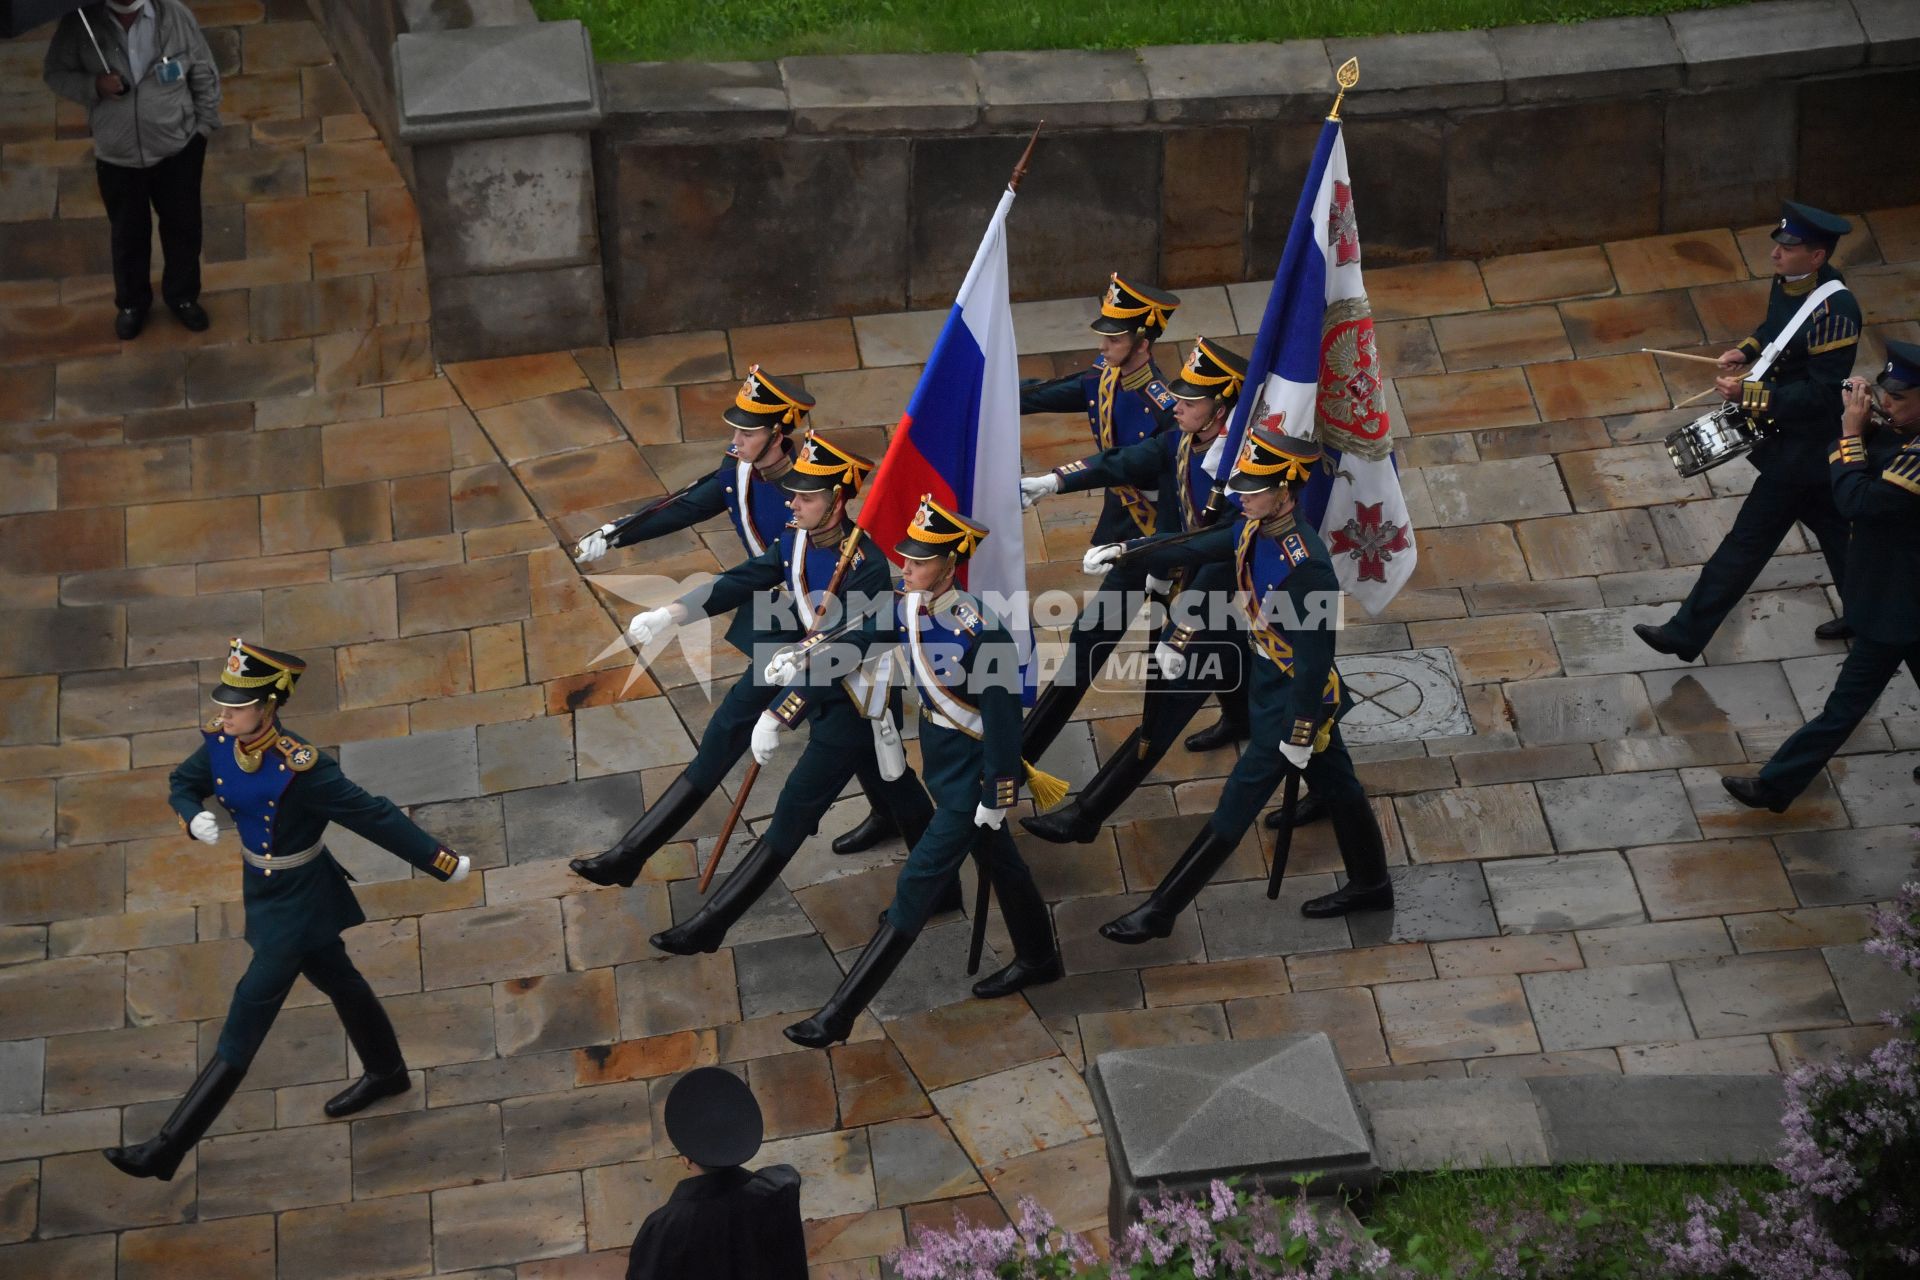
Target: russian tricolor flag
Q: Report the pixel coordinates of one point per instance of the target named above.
(959, 439)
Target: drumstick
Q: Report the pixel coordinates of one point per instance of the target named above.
(1681, 355)
(1692, 399)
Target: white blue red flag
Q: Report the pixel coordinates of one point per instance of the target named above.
(959, 439)
(1315, 372)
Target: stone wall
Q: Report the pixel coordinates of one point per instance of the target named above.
(742, 193)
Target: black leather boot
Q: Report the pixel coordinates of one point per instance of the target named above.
(1036, 955)
(1756, 794)
(1363, 850)
(1079, 820)
(660, 823)
(1661, 639)
(371, 1031)
(1154, 918)
(1051, 712)
(1225, 731)
(870, 972)
(873, 828)
(707, 928)
(1834, 629)
(160, 1156)
(1308, 808)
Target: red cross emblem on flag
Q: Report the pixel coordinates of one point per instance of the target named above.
(1367, 540)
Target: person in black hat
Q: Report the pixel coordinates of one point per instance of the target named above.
(723, 1223)
(1795, 403)
(281, 792)
(1876, 484)
(1126, 399)
(841, 744)
(748, 486)
(966, 668)
(1181, 465)
(1289, 598)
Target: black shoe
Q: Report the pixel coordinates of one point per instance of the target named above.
(1834, 629)
(1225, 731)
(190, 314)
(1020, 975)
(128, 322)
(707, 928)
(1154, 918)
(1080, 819)
(1661, 640)
(367, 1090)
(1308, 808)
(160, 1156)
(621, 864)
(1756, 794)
(1348, 899)
(873, 828)
(870, 972)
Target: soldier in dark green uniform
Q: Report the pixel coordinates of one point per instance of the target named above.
(1289, 598)
(1796, 404)
(841, 744)
(1127, 401)
(282, 791)
(1876, 485)
(1180, 466)
(966, 668)
(747, 485)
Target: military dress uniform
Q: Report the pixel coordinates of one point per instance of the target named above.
(966, 669)
(1182, 468)
(755, 500)
(725, 1222)
(1284, 575)
(840, 745)
(282, 791)
(1123, 410)
(1876, 485)
(1797, 408)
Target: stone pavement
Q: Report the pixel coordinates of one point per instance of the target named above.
(1577, 894)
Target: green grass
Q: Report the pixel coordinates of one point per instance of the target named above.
(634, 30)
(1438, 1209)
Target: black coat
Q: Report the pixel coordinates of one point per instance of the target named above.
(725, 1225)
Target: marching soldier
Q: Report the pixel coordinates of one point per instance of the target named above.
(747, 486)
(1180, 465)
(1127, 402)
(282, 791)
(723, 1223)
(966, 668)
(1813, 323)
(840, 745)
(1288, 595)
(1876, 485)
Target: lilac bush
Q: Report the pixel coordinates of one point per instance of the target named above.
(1034, 1248)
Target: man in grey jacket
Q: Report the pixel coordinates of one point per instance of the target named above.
(152, 96)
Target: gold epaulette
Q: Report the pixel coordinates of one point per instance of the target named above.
(300, 756)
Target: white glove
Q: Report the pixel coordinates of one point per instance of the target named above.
(1034, 488)
(1172, 663)
(991, 819)
(766, 737)
(888, 749)
(649, 626)
(594, 545)
(461, 870)
(203, 828)
(1099, 559)
(1159, 586)
(782, 667)
(1296, 756)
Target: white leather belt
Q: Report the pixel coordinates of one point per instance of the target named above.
(285, 861)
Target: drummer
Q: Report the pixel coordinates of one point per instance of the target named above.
(1795, 405)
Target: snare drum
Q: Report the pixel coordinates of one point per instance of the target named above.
(1711, 439)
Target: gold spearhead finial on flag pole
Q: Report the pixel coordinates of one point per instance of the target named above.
(1346, 77)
